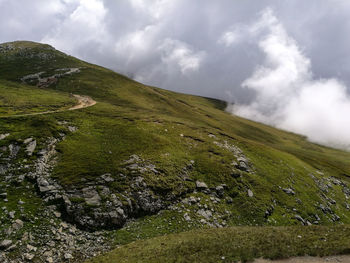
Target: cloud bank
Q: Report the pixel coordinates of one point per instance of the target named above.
(286, 93)
(210, 48)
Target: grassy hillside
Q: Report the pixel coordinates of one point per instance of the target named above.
(234, 244)
(145, 162)
(17, 99)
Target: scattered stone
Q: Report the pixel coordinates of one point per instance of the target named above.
(229, 200)
(242, 164)
(289, 191)
(299, 218)
(28, 140)
(31, 248)
(18, 224)
(207, 214)
(14, 149)
(72, 128)
(12, 214)
(5, 244)
(335, 217)
(187, 217)
(31, 147)
(3, 136)
(250, 193)
(220, 190)
(68, 256)
(201, 185)
(107, 177)
(57, 214)
(28, 256)
(49, 260)
(64, 225)
(92, 197)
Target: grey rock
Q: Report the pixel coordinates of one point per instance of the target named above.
(28, 140)
(3, 148)
(12, 214)
(299, 218)
(335, 217)
(207, 214)
(289, 191)
(57, 214)
(250, 193)
(317, 217)
(187, 217)
(18, 224)
(5, 244)
(92, 197)
(3, 136)
(3, 169)
(72, 128)
(107, 178)
(201, 185)
(14, 149)
(242, 166)
(28, 256)
(220, 190)
(68, 256)
(229, 200)
(31, 147)
(31, 248)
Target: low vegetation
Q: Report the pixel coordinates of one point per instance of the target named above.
(234, 244)
(145, 162)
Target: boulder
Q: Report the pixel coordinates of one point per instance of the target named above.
(91, 197)
(31, 147)
(207, 214)
(220, 190)
(201, 185)
(299, 218)
(5, 244)
(18, 224)
(289, 191)
(250, 193)
(3, 136)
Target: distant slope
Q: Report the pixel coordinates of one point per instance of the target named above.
(173, 162)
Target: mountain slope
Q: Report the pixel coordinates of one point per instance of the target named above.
(172, 161)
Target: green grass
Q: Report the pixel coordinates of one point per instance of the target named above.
(16, 99)
(169, 130)
(234, 244)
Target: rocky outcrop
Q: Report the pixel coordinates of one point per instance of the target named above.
(241, 163)
(40, 81)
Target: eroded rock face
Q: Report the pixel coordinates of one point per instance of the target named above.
(47, 81)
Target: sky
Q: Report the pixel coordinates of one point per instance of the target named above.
(285, 63)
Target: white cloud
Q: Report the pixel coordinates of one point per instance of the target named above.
(229, 38)
(177, 53)
(288, 96)
(81, 25)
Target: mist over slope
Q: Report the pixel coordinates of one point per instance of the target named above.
(287, 95)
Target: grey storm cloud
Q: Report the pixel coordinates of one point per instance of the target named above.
(224, 49)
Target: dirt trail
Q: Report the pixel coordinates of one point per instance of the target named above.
(83, 102)
(329, 259)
